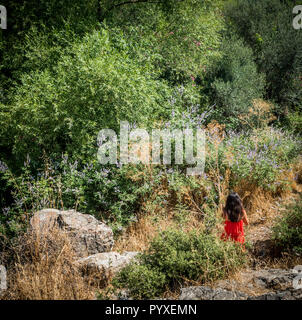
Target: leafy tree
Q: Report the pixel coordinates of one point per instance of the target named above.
(35, 25)
(182, 35)
(92, 87)
(234, 82)
(266, 26)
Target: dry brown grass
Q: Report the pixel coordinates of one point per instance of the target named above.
(137, 237)
(287, 261)
(260, 113)
(255, 200)
(263, 208)
(43, 269)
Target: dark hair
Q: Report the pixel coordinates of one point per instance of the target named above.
(233, 207)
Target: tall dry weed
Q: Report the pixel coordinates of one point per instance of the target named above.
(43, 269)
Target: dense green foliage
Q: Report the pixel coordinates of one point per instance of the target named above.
(266, 26)
(175, 257)
(288, 230)
(71, 68)
(237, 82)
(142, 281)
(92, 87)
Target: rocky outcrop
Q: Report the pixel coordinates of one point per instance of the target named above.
(88, 235)
(106, 264)
(280, 282)
(207, 293)
(44, 220)
(264, 284)
(92, 242)
(291, 294)
(276, 279)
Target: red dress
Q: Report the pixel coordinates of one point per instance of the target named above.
(233, 231)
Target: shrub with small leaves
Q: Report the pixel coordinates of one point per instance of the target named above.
(175, 257)
(143, 282)
(287, 232)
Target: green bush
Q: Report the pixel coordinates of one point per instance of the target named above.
(293, 122)
(177, 257)
(92, 87)
(179, 37)
(143, 282)
(287, 232)
(266, 25)
(236, 82)
(39, 33)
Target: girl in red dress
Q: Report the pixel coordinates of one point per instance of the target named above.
(235, 216)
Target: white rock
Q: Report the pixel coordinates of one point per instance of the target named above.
(107, 263)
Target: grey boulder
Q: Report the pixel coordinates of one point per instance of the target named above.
(207, 293)
(276, 279)
(88, 235)
(106, 264)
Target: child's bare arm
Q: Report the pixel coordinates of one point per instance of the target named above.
(245, 219)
